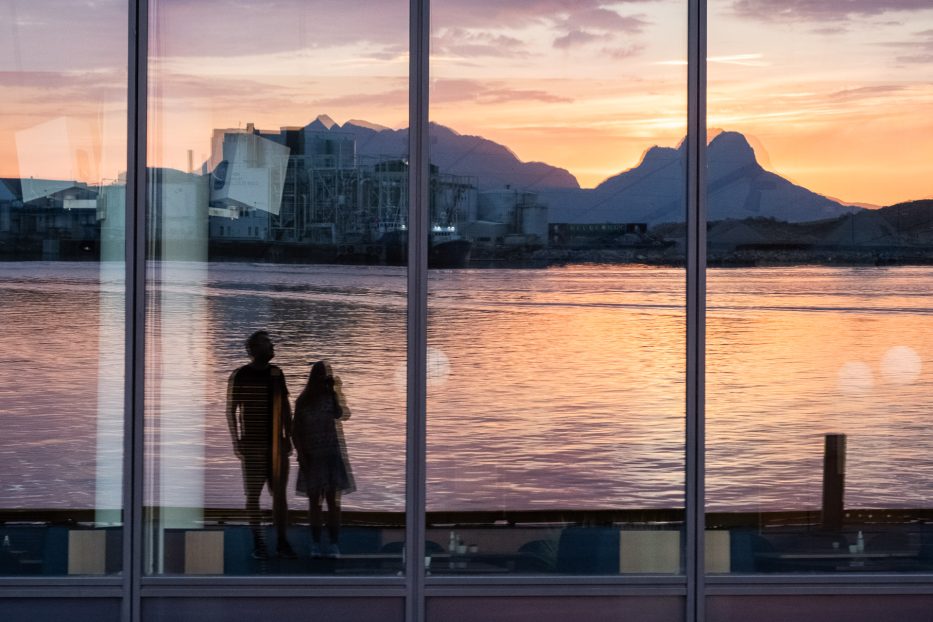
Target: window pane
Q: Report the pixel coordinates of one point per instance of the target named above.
(62, 290)
(556, 295)
(818, 331)
(266, 214)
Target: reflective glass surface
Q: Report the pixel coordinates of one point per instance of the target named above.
(556, 341)
(819, 327)
(62, 286)
(276, 298)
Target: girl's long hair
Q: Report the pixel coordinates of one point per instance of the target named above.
(320, 382)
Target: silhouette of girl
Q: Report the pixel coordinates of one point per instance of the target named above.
(324, 469)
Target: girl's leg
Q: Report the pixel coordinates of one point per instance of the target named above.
(314, 514)
(333, 514)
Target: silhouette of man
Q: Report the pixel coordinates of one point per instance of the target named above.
(259, 418)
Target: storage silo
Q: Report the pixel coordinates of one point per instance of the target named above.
(534, 222)
(497, 206)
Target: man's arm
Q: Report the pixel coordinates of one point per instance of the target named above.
(233, 403)
(286, 417)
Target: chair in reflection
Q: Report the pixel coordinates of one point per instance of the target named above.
(750, 552)
(33, 550)
(57, 550)
(588, 550)
(537, 556)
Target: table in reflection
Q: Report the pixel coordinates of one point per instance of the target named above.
(840, 561)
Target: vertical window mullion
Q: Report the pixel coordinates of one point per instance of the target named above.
(135, 236)
(418, 172)
(696, 309)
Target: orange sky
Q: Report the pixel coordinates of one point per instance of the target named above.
(840, 99)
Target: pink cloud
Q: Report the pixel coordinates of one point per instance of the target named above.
(867, 91)
(453, 91)
(63, 35)
(475, 43)
(222, 28)
(623, 52)
(576, 38)
(607, 20)
(918, 50)
(515, 13)
(822, 10)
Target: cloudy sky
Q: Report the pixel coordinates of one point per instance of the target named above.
(836, 95)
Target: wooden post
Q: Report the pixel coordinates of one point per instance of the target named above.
(834, 476)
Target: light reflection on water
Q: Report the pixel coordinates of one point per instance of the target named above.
(559, 388)
(780, 346)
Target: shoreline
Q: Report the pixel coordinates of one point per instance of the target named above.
(559, 257)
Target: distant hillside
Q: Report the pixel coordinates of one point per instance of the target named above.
(910, 216)
(491, 164)
(905, 225)
(654, 191)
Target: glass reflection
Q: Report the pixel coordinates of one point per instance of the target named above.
(556, 345)
(818, 323)
(324, 464)
(62, 202)
(259, 417)
(273, 224)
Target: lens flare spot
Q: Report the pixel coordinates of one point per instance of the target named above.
(438, 370)
(901, 365)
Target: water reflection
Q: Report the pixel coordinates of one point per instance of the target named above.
(620, 323)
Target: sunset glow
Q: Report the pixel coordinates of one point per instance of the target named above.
(837, 100)
(595, 367)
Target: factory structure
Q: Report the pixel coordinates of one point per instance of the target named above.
(52, 219)
(300, 194)
(308, 190)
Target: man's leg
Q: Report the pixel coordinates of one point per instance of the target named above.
(254, 478)
(279, 491)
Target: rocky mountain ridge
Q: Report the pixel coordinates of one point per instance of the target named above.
(652, 192)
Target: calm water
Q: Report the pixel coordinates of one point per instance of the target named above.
(558, 388)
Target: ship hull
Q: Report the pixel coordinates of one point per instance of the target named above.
(446, 254)
(450, 254)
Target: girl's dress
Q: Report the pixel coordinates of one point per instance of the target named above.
(318, 439)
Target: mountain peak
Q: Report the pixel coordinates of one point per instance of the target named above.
(731, 149)
(737, 187)
(322, 122)
(365, 125)
(657, 155)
